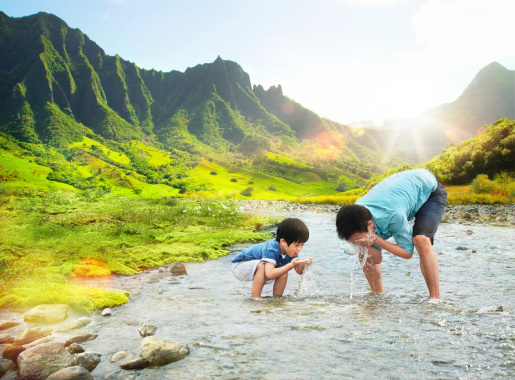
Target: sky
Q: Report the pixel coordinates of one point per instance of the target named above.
(346, 60)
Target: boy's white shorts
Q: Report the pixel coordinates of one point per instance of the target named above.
(244, 270)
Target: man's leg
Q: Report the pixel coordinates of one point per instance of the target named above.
(372, 269)
(428, 264)
(259, 280)
(280, 284)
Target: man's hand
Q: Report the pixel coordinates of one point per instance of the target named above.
(370, 240)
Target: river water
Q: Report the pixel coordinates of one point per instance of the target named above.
(331, 327)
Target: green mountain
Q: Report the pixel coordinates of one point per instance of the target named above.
(490, 96)
(59, 90)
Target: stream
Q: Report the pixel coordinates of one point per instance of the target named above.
(329, 326)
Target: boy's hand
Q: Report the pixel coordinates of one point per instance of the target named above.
(370, 240)
(298, 261)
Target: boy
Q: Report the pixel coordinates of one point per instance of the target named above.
(273, 259)
(385, 211)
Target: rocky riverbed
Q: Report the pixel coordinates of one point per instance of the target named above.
(42, 342)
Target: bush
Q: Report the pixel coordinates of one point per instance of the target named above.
(213, 173)
(234, 180)
(482, 185)
(272, 188)
(247, 192)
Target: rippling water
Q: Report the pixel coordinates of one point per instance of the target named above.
(328, 325)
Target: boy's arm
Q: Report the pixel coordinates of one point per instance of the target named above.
(396, 249)
(271, 272)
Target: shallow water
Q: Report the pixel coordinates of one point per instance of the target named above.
(330, 327)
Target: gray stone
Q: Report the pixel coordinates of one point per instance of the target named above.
(147, 330)
(118, 356)
(47, 314)
(490, 309)
(177, 269)
(107, 312)
(71, 373)
(4, 325)
(88, 360)
(80, 338)
(160, 352)
(6, 365)
(31, 335)
(41, 361)
(39, 341)
(138, 363)
(85, 321)
(75, 348)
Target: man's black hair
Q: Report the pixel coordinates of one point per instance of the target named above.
(292, 230)
(351, 219)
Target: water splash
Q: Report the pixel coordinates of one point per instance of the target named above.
(360, 254)
(308, 286)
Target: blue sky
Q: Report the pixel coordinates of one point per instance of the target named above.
(347, 60)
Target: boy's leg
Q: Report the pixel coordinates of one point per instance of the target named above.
(427, 220)
(428, 264)
(280, 284)
(372, 269)
(259, 280)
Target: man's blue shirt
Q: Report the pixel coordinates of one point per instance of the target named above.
(394, 201)
(268, 251)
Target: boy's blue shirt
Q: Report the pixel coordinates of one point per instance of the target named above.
(394, 201)
(268, 251)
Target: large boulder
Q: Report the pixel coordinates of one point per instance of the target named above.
(71, 373)
(31, 335)
(47, 314)
(5, 366)
(42, 360)
(161, 352)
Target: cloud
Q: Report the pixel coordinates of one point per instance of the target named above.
(375, 3)
(465, 32)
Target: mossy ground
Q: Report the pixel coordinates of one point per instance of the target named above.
(48, 237)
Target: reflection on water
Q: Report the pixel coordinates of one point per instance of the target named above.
(317, 330)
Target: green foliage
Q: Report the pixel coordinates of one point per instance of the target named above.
(247, 192)
(483, 185)
(490, 153)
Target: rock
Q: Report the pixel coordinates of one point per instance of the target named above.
(4, 325)
(13, 352)
(31, 335)
(147, 330)
(177, 269)
(467, 216)
(138, 363)
(160, 291)
(47, 314)
(41, 361)
(500, 219)
(469, 232)
(461, 248)
(80, 338)
(118, 356)
(85, 321)
(6, 365)
(489, 309)
(161, 352)
(75, 348)
(6, 338)
(106, 312)
(46, 339)
(71, 325)
(88, 360)
(152, 280)
(71, 373)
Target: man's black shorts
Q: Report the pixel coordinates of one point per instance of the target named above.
(430, 214)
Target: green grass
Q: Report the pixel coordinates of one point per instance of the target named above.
(48, 237)
(116, 157)
(222, 184)
(286, 160)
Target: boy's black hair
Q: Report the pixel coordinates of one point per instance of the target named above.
(292, 230)
(351, 219)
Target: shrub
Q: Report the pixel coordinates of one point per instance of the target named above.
(213, 173)
(250, 182)
(272, 188)
(234, 180)
(483, 185)
(247, 192)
